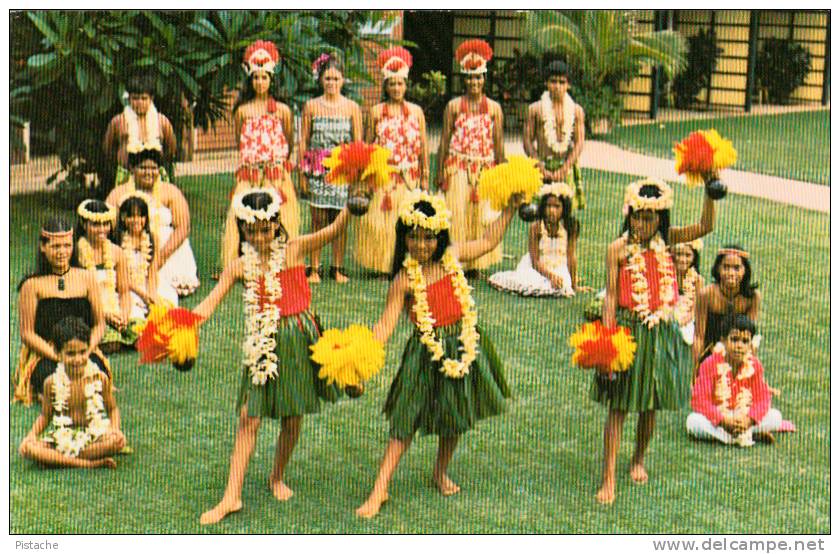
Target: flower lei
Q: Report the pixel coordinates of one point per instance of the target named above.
(684, 308)
(550, 123)
(261, 320)
(743, 400)
(138, 270)
(152, 124)
(68, 441)
(638, 281)
(109, 284)
(454, 369)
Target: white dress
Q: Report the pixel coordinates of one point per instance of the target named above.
(180, 270)
(165, 290)
(527, 281)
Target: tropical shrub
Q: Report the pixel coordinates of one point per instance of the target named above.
(703, 53)
(781, 68)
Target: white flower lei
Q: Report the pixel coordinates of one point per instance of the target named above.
(110, 300)
(138, 270)
(152, 124)
(454, 369)
(684, 308)
(638, 282)
(68, 441)
(258, 350)
(550, 122)
(743, 401)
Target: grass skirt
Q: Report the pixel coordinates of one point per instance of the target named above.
(296, 388)
(468, 217)
(422, 398)
(376, 231)
(660, 377)
(289, 213)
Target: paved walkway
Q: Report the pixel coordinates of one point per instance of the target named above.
(596, 155)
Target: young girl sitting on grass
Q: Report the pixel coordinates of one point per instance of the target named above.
(450, 376)
(550, 266)
(279, 381)
(79, 424)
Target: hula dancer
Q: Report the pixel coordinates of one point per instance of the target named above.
(279, 380)
(471, 142)
(554, 132)
(641, 294)
(450, 376)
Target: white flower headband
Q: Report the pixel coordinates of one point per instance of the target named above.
(632, 198)
(558, 189)
(96, 217)
(413, 217)
(250, 215)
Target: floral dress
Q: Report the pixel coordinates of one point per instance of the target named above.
(376, 231)
(327, 133)
(470, 152)
(527, 281)
(263, 163)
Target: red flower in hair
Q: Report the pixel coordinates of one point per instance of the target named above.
(396, 52)
(266, 45)
(474, 46)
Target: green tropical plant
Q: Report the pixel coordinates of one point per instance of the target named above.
(516, 81)
(781, 67)
(429, 92)
(703, 53)
(69, 68)
(604, 49)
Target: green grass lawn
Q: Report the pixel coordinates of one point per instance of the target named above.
(793, 145)
(534, 469)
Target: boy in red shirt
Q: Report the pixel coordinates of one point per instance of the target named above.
(730, 399)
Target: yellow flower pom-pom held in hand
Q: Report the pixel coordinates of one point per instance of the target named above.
(517, 175)
(703, 154)
(348, 357)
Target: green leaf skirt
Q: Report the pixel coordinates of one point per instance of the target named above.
(660, 377)
(422, 398)
(296, 389)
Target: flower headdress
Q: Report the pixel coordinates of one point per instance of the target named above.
(473, 56)
(632, 198)
(262, 55)
(394, 62)
(250, 215)
(96, 217)
(319, 61)
(696, 244)
(558, 189)
(412, 217)
(734, 252)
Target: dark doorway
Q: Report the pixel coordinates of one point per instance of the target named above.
(432, 32)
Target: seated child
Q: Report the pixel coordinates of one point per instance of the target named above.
(730, 399)
(79, 424)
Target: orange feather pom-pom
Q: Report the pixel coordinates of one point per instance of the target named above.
(602, 348)
(169, 333)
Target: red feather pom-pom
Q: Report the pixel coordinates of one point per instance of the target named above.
(396, 52)
(697, 154)
(474, 46)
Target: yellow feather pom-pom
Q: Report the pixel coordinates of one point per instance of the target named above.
(725, 154)
(378, 170)
(348, 357)
(625, 347)
(518, 175)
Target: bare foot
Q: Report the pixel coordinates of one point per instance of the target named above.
(372, 505)
(446, 486)
(638, 474)
(280, 490)
(606, 494)
(340, 278)
(314, 278)
(219, 512)
(107, 463)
